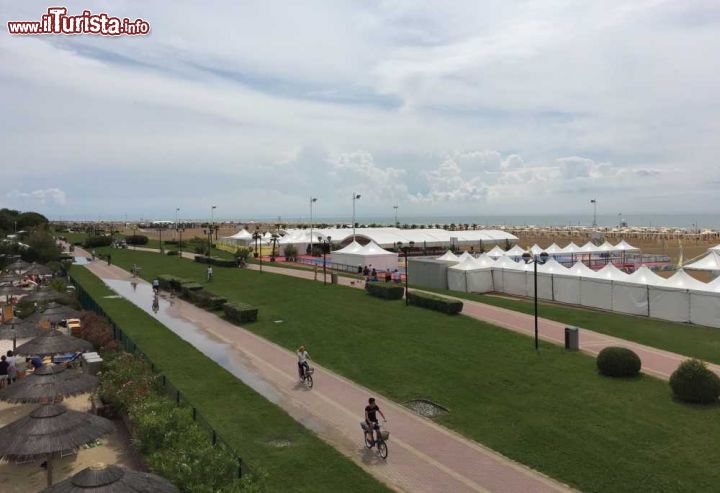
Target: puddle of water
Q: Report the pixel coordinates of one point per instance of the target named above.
(141, 295)
(81, 261)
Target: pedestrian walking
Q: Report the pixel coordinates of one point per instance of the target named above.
(108, 259)
(209, 273)
(12, 370)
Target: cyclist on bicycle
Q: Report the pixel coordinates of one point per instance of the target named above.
(371, 419)
(156, 285)
(303, 365)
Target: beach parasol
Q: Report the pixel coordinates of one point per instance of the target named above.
(38, 270)
(17, 328)
(49, 430)
(102, 478)
(42, 295)
(18, 266)
(47, 384)
(53, 342)
(11, 290)
(58, 313)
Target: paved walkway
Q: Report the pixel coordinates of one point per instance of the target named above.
(424, 457)
(656, 362)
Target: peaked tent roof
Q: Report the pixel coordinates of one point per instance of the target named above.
(589, 247)
(683, 280)
(553, 249)
(353, 247)
(448, 257)
(243, 234)
(536, 250)
(646, 276)
(581, 270)
(465, 255)
(506, 263)
(571, 248)
(606, 247)
(715, 285)
(496, 252)
(485, 260)
(709, 262)
(624, 246)
(468, 263)
(372, 248)
(515, 251)
(612, 273)
(552, 266)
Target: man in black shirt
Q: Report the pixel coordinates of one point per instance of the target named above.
(371, 411)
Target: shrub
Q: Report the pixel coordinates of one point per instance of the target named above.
(694, 382)
(618, 362)
(220, 262)
(136, 240)
(290, 252)
(206, 299)
(97, 330)
(172, 252)
(437, 303)
(169, 282)
(187, 286)
(97, 241)
(385, 291)
(240, 312)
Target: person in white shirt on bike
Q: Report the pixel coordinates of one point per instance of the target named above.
(303, 365)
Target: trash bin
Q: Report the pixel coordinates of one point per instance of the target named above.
(333, 278)
(572, 338)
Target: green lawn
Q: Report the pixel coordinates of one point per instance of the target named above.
(691, 340)
(549, 410)
(243, 417)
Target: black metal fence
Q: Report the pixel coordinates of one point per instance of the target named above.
(89, 303)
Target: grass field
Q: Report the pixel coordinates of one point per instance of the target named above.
(691, 340)
(243, 417)
(549, 410)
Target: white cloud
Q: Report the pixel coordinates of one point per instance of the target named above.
(48, 196)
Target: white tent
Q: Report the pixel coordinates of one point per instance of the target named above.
(242, 237)
(372, 255)
(710, 262)
(714, 249)
(536, 250)
(633, 295)
(515, 251)
(496, 252)
(553, 249)
(465, 255)
(449, 257)
(595, 287)
(347, 255)
(705, 305)
(672, 300)
(624, 246)
(470, 275)
(612, 273)
(606, 247)
(589, 247)
(501, 266)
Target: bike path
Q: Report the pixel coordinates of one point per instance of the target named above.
(423, 456)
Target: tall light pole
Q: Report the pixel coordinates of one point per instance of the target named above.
(594, 203)
(355, 197)
(406, 250)
(312, 200)
(396, 211)
(210, 228)
(177, 210)
(535, 259)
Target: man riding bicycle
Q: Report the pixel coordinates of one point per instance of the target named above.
(156, 285)
(303, 365)
(371, 411)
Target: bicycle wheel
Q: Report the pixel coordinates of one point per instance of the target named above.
(368, 441)
(382, 449)
(309, 381)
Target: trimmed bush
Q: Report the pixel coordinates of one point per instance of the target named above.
(618, 362)
(206, 299)
(437, 303)
(169, 282)
(188, 286)
(385, 291)
(97, 241)
(220, 262)
(694, 382)
(136, 240)
(240, 312)
(172, 252)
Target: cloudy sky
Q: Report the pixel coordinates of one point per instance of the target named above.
(462, 107)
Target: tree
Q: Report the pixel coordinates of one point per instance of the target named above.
(42, 247)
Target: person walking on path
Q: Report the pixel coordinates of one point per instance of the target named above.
(4, 365)
(209, 273)
(108, 259)
(12, 370)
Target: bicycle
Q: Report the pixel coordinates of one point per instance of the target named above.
(380, 444)
(307, 378)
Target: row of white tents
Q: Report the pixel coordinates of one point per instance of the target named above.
(357, 255)
(571, 249)
(681, 298)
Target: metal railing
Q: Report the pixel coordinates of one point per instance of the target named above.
(89, 303)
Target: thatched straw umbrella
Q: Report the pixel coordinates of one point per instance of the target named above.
(10, 290)
(53, 342)
(18, 266)
(17, 328)
(48, 383)
(49, 430)
(58, 313)
(42, 295)
(38, 270)
(102, 478)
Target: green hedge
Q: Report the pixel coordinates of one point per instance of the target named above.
(97, 241)
(136, 240)
(220, 262)
(618, 362)
(694, 382)
(240, 312)
(168, 282)
(172, 252)
(437, 303)
(188, 286)
(385, 291)
(206, 299)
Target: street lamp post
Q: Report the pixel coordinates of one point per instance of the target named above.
(210, 228)
(355, 197)
(177, 210)
(161, 243)
(535, 259)
(406, 250)
(594, 203)
(258, 239)
(396, 212)
(312, 199)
